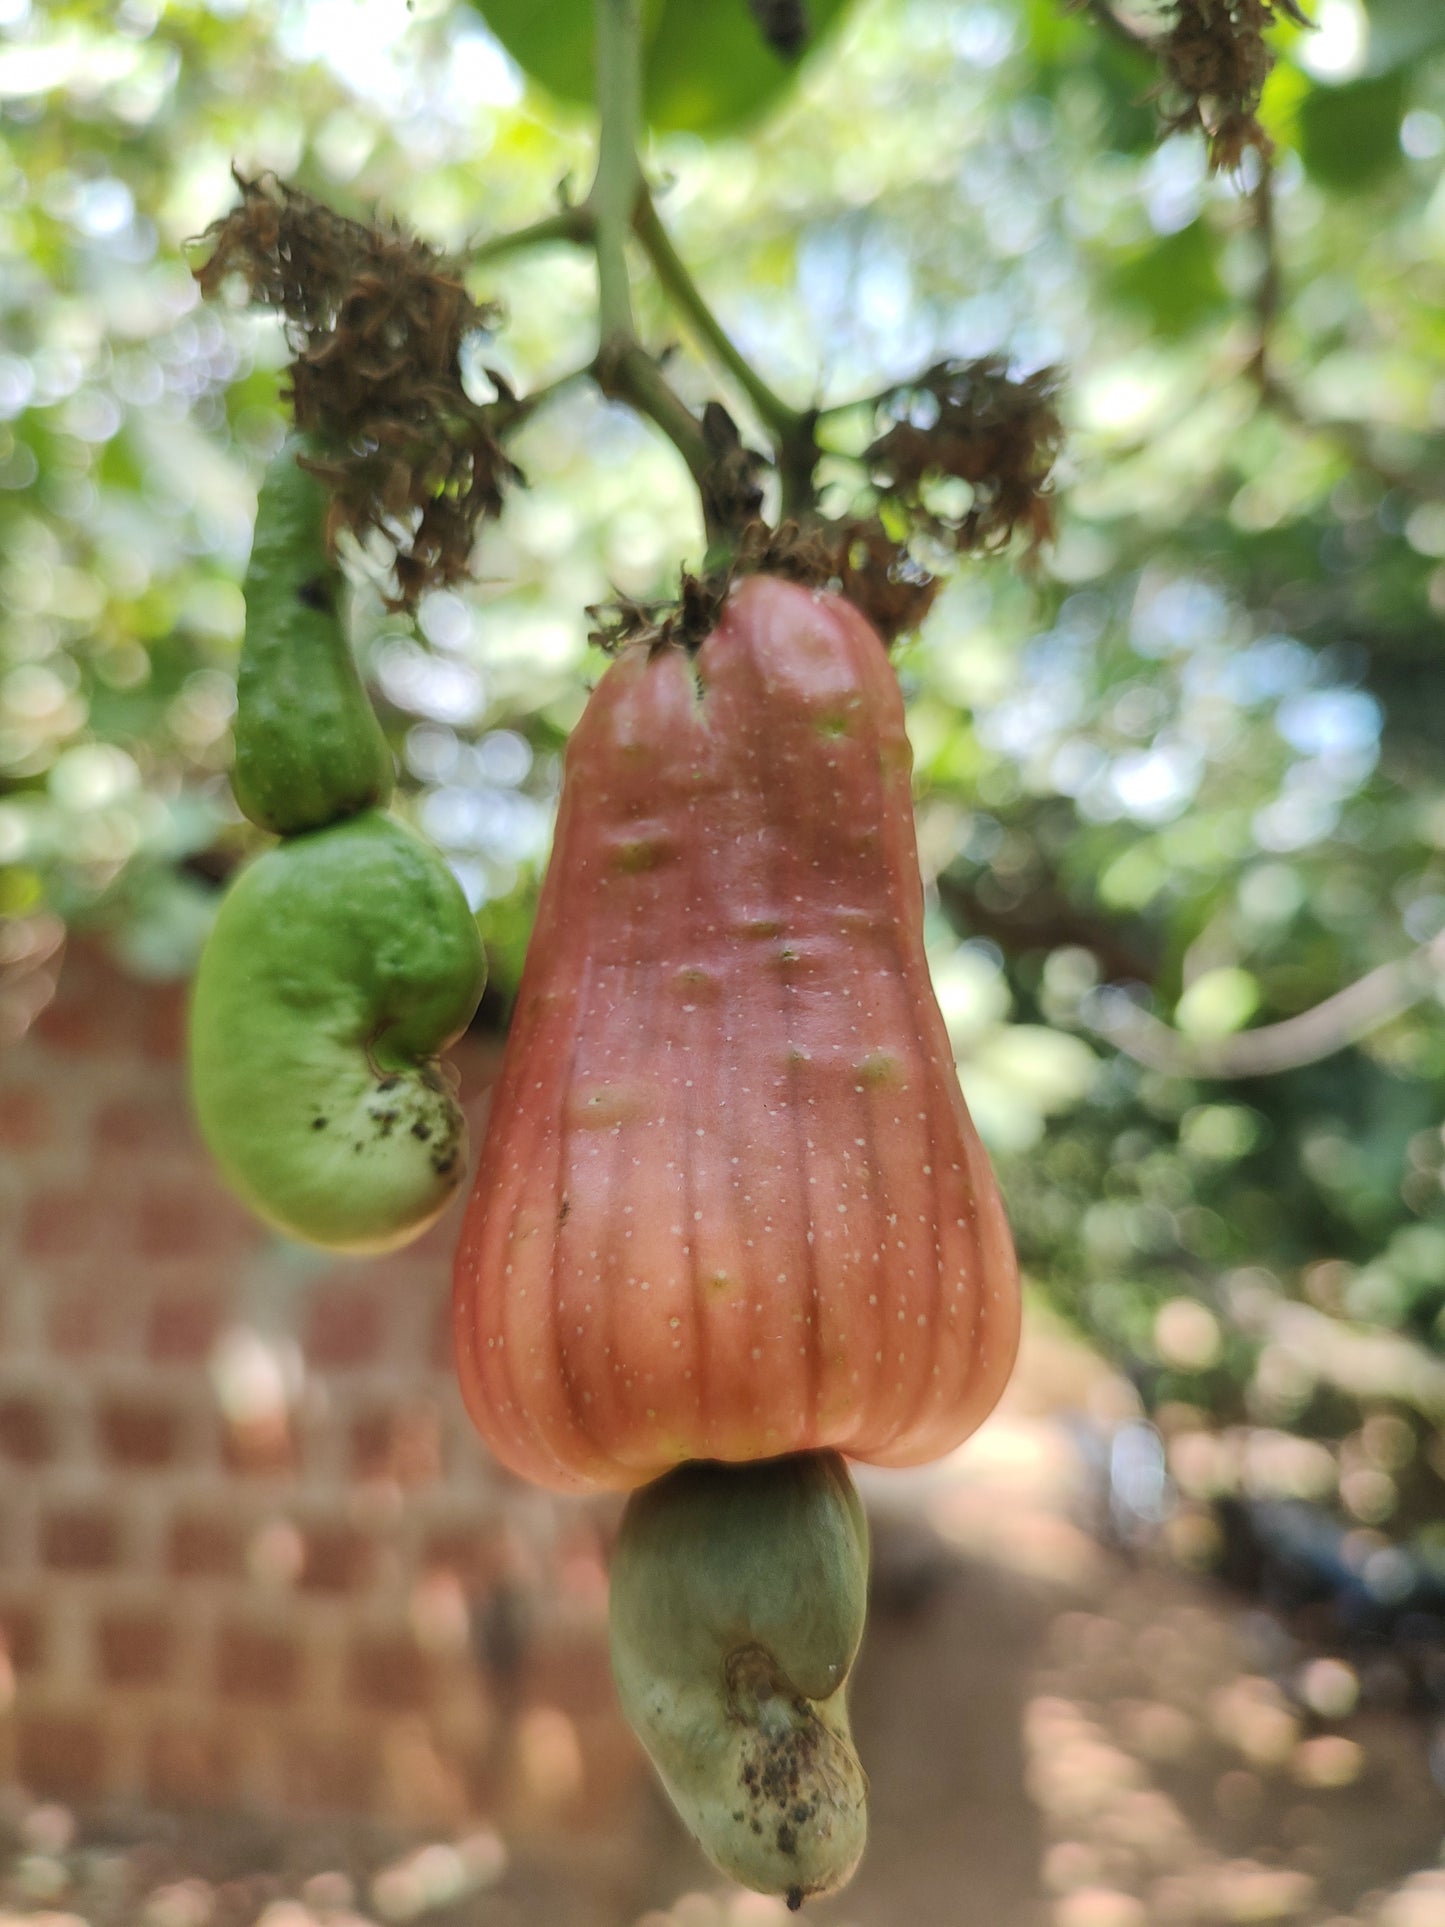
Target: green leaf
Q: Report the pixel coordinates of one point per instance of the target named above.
(707, 67)
(1131, 117)
(550, 40)
(1349, 137)
(1175, 281)
(1403, 31)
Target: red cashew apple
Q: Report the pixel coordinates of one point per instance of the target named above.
(730, 1205)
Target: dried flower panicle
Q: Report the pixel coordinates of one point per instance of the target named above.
(1216, 61)
(973, 422)
(892, 588)
(856, 557)
(376, 322)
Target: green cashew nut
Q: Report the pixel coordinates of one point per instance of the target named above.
(309, 749)
(340, 964)
(737, 1604)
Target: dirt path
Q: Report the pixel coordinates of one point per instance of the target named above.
(1058, 1735)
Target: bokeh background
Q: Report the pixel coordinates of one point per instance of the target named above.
(1167, 1642)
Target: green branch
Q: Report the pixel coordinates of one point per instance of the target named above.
(618, 181)
(568, 224)
(624, 370)
(680, 288)
(795, 448)
(618, 206)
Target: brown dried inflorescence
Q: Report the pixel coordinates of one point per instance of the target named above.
(376, 321)
(973, 422)
(1216, 61)
(858, 558)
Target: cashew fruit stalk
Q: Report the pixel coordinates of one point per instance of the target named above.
(309, 749)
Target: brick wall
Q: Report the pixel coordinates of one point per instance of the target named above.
(250, 1550)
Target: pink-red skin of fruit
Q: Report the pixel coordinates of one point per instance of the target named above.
(730, 1203)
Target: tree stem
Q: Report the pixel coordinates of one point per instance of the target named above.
(618, 181)
(624, 370)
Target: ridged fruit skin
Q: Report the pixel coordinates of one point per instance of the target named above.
(737, 1601)
(730, 1203)
(309, 748)
(339, 966)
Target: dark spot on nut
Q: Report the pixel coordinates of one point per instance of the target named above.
(795, 1899)
(318, 1123)
(787, 1839)
(389, 1083)
(316, 593)
(421, 1131)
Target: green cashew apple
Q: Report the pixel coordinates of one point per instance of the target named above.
(309, 748)
(737, 1604)
(340, 965)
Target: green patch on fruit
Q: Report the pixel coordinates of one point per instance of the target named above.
(640, 854)
(879, 1071)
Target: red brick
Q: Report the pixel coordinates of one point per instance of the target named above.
(390, 1672)
(330, 1771)
(183, 1328)
(176, 1221)
(25, 1117)
(573, 1673)
(145, 1127)
(261, 1448)
(22, 1634)
(60, 1754)
(255, 1663)
(338, 1559)
(81, 1322)
(345, 1325)
(79, 1539)
(189, 1765)
(142, 1434)
(26, 1433)
(162, 1032)
(74, 1024)
(135, 1649)
(403, 1444)
(205, 1546)
(74, 1220)
(460, 1550)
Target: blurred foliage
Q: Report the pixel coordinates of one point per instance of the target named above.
(707, 66)
(1187, 767)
